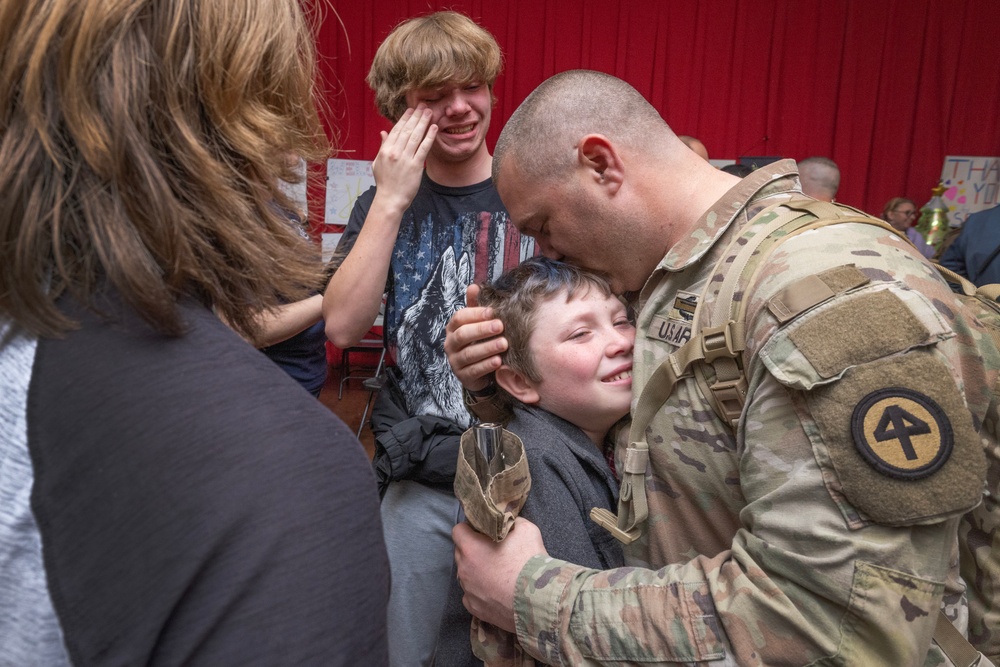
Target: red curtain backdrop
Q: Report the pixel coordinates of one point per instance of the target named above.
(886, 88)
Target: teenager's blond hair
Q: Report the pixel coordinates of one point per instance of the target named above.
(141, 145)
(426, 52)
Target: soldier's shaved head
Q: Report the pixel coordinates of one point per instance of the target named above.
(542, 134)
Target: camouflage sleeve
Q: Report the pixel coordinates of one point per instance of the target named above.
(840, 554)
(795, 582)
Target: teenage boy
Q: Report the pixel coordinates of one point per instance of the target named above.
(432, 225)
(566, 379)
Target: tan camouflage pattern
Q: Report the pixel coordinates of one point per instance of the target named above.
(751, 555)
(979, 531)
(496, 647)
(491, 501)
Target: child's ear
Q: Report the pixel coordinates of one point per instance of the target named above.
(517, 385)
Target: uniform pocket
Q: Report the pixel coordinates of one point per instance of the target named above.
(866, 637)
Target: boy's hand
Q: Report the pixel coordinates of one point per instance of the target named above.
(399, 165)
(488, 570)
(473, 342)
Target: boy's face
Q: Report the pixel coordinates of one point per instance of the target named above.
(462, 113)
(582, 350)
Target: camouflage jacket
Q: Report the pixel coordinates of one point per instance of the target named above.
(778, 546)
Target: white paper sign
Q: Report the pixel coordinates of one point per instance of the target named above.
(346, 180)
(329, 244)
(971, 184)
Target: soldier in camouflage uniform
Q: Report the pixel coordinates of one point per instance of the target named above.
(776, 543)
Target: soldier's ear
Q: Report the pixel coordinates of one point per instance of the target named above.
(517, 385)
(599, 156)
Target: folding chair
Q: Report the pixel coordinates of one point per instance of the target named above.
(370, 343)
(373, 384)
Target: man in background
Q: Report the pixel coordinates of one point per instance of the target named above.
(820, 178)
(974, 251)
(695, 145)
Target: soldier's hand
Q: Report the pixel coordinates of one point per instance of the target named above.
(473, 342)
(488, 570)
(399, 165)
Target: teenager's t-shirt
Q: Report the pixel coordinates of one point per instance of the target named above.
(448, 238)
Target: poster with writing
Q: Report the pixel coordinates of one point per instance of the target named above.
(971, 185)
(345, 181)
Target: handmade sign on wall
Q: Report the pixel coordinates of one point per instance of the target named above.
(971, 184)
(346, 180)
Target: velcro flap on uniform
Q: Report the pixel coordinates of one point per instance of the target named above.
(901, 440)
(636, 460)
(860, 330)
(849, 330)
(813, 290)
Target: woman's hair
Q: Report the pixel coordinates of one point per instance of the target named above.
(141, 146)
(894, 203)
(426, 52)
(515, 297)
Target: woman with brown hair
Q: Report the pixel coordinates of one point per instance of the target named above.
(167, 495)
(902, 214)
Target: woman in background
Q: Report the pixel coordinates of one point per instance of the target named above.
(902, 213)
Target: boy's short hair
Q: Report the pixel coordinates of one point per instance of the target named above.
(516, 295)
(427, 51)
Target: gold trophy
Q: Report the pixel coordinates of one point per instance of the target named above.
(933, 223)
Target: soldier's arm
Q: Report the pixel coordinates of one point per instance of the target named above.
(797, 581)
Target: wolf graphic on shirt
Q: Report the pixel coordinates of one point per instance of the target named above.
(436, 256)
(427, 381)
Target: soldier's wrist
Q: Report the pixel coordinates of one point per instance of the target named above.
(489, 390)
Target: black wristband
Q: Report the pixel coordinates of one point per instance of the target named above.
(488, 390)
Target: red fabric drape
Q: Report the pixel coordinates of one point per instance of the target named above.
(886, 89)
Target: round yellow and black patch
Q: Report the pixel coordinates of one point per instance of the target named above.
(902, 433)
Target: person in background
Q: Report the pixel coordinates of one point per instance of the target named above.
(565, 381)
(738, 170)
(167, 494)
(696, 146)
(801, 531)
(974, 251)
(293, 335)
(902, 213)
(820, 178)
(432, 225)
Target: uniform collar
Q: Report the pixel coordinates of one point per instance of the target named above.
(776, 178)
